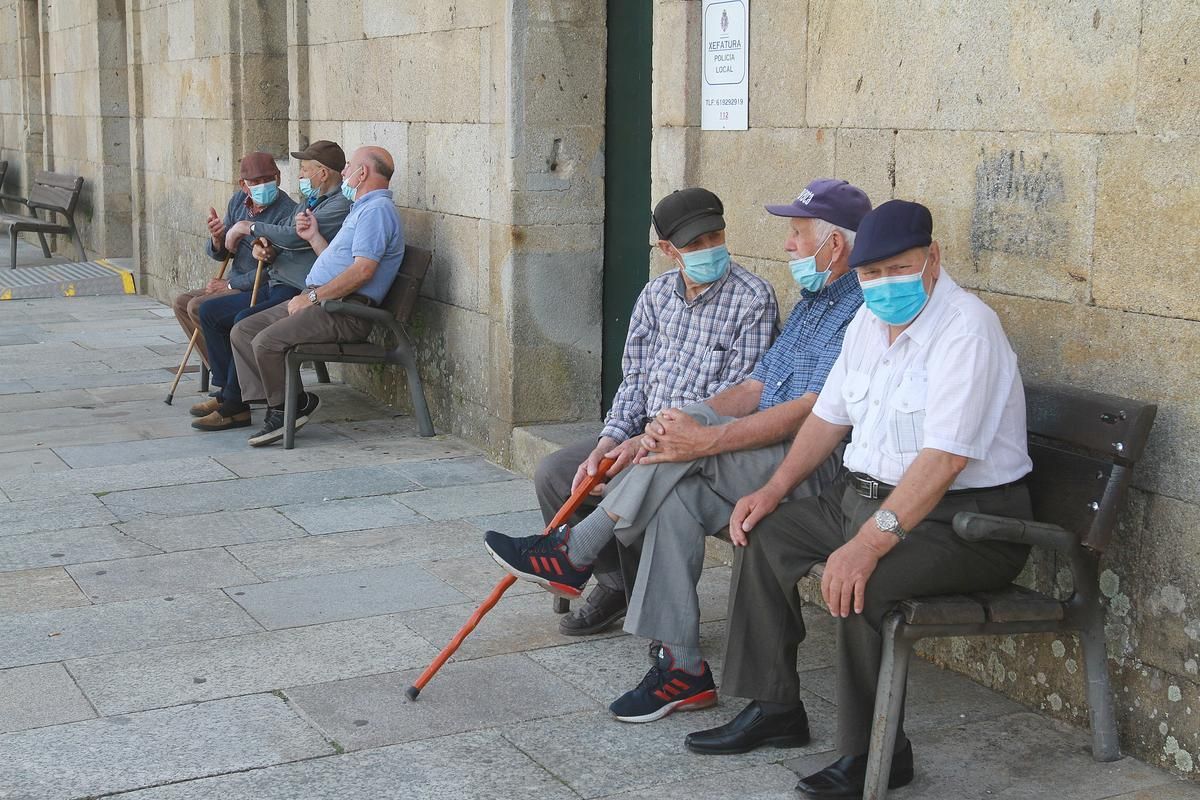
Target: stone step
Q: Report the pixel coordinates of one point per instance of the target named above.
(102, 276)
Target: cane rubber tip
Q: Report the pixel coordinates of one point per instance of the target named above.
(412, 692)
(169, 399)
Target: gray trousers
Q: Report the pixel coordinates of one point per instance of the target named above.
(765, 620)
(552, 482)
(676, 506)
(261, 341)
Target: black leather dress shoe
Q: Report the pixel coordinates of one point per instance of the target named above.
(752, 728)
(847, 776)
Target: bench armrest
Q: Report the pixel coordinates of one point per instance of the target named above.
(976, 527)
(14, 199)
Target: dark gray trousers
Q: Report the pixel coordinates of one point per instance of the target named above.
(766, 623)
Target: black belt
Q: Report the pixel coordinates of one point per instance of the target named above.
(866, 486)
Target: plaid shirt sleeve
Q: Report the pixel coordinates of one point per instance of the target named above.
(827, 355)
(627, 417)
(757, 327)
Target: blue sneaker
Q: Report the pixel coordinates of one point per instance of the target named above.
(541, 559)
(664, 690)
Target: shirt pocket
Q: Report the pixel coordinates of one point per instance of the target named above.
(907, 406)
(854, 392)
(713, 369)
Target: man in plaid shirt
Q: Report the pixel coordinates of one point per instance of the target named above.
(698, 460)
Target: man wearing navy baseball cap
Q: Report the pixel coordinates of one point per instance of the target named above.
(928, 388)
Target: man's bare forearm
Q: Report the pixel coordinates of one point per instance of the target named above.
(348, 282)
(814, 442)
(923, 485)
(738, 400)
(776, 424)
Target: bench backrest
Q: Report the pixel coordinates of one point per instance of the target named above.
(1084, 446)
(3, 172)
(401, 299)
(54, 191)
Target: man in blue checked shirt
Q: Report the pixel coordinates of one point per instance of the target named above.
(698, 460)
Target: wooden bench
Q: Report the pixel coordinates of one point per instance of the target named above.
(56, 194)
(390, 318)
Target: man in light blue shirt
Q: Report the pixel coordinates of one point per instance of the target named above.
(357, 266)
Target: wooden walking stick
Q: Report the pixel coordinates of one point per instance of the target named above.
(192, 343)
(564, 513)
(257, 280)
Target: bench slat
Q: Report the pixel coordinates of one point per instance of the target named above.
(1016, 603)
(949, 609)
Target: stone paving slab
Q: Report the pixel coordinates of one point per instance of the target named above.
(469, 766)
(1175, 790)
(1021, 755)
(271, 490)
(115, 478)
(120, 753)
(221, 528)
(65, 398)
(102, 432)
(374, 711)
(42, 636)
(454, 472)
(595, 755)
(14, 387)
(71, 546)
(156, 576)
(31, 516)
(71, 381)
(38, 590)
(356, 550)
(765, 782)
(341, 453)
(184, 442)
(345, 595)
(514, 523)
(475, 575)
(453, 502)
(259, 662)
(39, 696)
(355, 514)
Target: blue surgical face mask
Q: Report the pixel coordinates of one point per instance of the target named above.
(897, 299)
(706, 266)
(804, 270)
(349, 191)
(307, 189)
(263, 194)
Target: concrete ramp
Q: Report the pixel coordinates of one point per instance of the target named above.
(102, 276)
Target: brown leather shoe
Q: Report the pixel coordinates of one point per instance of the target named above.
(205, 407)
(216, 422)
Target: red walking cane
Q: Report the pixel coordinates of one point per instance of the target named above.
(581, 491)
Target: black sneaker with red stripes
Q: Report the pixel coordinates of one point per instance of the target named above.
(541, 559)
(665, 690)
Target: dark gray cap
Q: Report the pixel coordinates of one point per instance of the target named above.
(685, 214)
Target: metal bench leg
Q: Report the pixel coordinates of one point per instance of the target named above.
(289, 401)
(78, 239)
(415, 390)
(322, 372)
(203, 376)
(1105, 744)
(561, 605)
(45, 245)
(12, 249)
(889, 702)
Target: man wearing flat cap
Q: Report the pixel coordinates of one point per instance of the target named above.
(258, 199)
(290, 257)
(695, 331)
(927, 385)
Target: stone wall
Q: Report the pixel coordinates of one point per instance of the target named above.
(1058, 146)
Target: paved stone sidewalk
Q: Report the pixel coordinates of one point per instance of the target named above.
(183, 617)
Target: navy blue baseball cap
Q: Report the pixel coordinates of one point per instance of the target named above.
(837, 202)
(889, 230)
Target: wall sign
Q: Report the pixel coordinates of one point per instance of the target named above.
(725, 91)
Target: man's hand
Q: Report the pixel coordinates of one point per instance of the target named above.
(216, 285)
(263, 250)
(235, 234)
(306, 225)
(216, 229)
(676, 436)
(848, 569)
(749, 511)
(298, 304)
(606, 445)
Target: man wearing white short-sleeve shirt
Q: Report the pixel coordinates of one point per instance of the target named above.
(927, 385)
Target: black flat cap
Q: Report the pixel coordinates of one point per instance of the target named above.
(889, 230)
(685, 214)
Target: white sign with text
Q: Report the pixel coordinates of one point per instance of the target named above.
(725, 91)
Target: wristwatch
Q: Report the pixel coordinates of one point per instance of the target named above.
(888, 522)
(312, 296)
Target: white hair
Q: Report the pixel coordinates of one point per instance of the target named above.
(822, 228)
